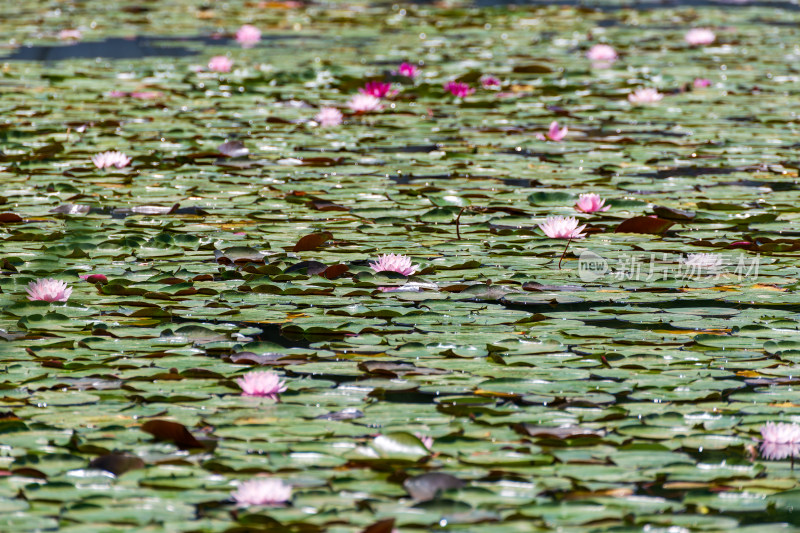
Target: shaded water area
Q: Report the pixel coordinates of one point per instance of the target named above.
(127, 48)
(111, 48)
(509, 376)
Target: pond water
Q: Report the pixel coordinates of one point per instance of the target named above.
(111, 48)
(126, 48)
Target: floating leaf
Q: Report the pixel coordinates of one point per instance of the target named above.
(165, 430)
(672, 213)
(399, 445)
(381, 526)
(312, 241)
(9, 218)
(426, 487)
(117, 463)
(653, 225)
(233, 149)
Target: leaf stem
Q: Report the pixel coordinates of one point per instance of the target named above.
(564, 252)
(458, 224)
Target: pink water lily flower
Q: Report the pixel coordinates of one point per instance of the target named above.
(559, 227)
(555, 133)
(645, 95)
(70, 35)
(780, 440)
(258, 383)
(490, 82)
(408, 69)
(590, 203)
(601, 53)
(48, 290)
(364, 103)
(394, 263)
(111, 159)
(329, 117)
(262, 491)
(146, 95)
(701, 83)
(458, 89)
(94, 278)
(426, 440)
(248, 35)
(378, 89)
(220, 64)
(700, 36)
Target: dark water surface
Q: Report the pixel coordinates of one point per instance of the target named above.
(126, 48)
(643, 5)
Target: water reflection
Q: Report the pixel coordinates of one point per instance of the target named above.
(779, 450)
(114, 48)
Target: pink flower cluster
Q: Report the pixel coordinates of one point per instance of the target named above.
(561, 227)
(369, 97)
